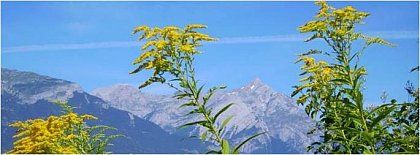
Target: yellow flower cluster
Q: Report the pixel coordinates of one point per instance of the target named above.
(323, 11)
(318, 77)
(319, 72)
(313, 26)
(334, 23)
(53, 135)
(164, 47)
(168, 41)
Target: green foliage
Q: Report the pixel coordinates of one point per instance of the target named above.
(171, 51)
(404, 125)
(332, 93)
(65, 134)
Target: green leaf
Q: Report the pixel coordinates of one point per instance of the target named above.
(352, 139)
(152, 80)
(225, 147)
(373, 111)
(415, 69)
(192, 123)
(312, 131)
(199, 89)
(180, 96)
(297, 90)
(140, 68)
(313, 114)
(368, 136)
(236, 149)
(203, 136)
(310, 52)
(382, 116)
(188, 104)
(224, 123)
(221, 111)
(367, 151)
(194, 111)
(344, 81)
(213, 152)
(308, 109)
(316, 35)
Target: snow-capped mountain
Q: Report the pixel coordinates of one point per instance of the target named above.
(258, 108)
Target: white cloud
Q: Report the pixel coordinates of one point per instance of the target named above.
(230, 40)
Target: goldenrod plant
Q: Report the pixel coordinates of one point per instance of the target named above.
(169, 52)
(332, 92)
(64, 134)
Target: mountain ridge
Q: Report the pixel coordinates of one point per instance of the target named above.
(26, 95)
(256, 107)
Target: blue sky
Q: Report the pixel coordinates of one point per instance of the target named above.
(90, 43)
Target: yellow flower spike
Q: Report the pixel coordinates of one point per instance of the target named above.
(160, 44)
(88, 117)
(339, 13)
(140, 28)
(171, 43)
(173, 35)
(150, 65)
(148, 44)
(309, 61)
(322, 63)
(150, 34)
(157, 30)
(313, 26)
(349, 9)
(195, 26)
(170, 28)
(326, 71)
(186, 48)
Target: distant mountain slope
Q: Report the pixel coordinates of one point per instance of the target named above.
(25, 96)
(257, 108)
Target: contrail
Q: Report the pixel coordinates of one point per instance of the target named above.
(227, 40)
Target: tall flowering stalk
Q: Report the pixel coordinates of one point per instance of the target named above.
(169, 52)
(332, 93)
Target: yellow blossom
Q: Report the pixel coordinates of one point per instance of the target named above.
(172, 43)
(160, 44)
(186, 48)
(308, 60)
(53, 135)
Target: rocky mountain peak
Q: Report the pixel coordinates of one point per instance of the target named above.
(30, 87)
(257, 108)
(256, 83)
(257, 86)
(128, 97)
(122, 93)
(117, 88)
